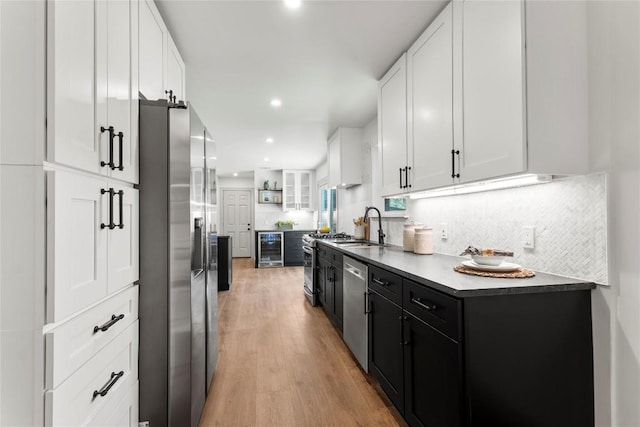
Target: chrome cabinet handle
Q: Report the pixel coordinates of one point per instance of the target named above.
(380, 282)
(428, 306)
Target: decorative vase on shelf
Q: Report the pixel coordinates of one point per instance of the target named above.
(265, 186)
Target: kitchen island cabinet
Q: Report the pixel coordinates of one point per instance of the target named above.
(293, 253)
(451, 349)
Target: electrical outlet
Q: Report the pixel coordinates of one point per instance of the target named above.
(528, 237)
(444, 231)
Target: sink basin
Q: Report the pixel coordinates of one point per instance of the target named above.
(361, 245)
(352, 242)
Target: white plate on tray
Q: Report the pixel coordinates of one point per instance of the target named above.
(504, 267)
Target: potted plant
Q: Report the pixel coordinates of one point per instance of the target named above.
(287, 224)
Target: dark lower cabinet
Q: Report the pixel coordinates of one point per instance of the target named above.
(386, 347)
(293, 253)
(432, 376)
(330, 284)
(321, 271)
(338, 305)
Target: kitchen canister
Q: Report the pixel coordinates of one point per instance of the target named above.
(408, 235)
(423, 241)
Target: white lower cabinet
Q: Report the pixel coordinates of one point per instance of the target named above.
(73, 343)
(100, 383)
(92, 241)
(120, 414)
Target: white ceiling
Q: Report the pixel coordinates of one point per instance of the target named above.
(322, 60)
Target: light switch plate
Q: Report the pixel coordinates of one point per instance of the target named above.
(528, 237)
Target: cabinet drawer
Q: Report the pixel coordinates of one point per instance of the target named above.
(113, 371)
(437, 309)
(386, 284)
(71, 344)
(122, 413)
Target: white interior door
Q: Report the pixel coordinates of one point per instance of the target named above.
(236, 205)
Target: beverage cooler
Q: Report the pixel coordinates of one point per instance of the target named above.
(270, 249)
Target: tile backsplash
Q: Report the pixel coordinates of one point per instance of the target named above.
(569, 216)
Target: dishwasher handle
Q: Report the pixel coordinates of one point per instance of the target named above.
(355, 271)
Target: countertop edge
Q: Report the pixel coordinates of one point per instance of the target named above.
(571, 284)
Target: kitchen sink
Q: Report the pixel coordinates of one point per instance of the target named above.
(360, 245)
(352, 242)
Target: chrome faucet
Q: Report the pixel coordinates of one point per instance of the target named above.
(366, 216)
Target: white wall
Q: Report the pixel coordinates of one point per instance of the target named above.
(614, 113)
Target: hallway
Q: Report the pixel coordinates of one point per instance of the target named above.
(281, 362)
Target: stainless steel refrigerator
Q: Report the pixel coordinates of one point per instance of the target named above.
(178, 283)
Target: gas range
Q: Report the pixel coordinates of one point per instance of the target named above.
(309, 239)
(308, 247)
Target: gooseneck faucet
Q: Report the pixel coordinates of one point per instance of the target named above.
(366, 216)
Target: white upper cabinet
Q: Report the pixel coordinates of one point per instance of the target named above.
(175, 71)
(152, 51)
(345, 158)
(71, 85)
(392, 128)
(297, 190)
(492, 90)
(162, 69)
(93, 90)
(489, 89)
(430, 105)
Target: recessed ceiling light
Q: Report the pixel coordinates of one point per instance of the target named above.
(275, 102)
(270, 140)
(292, 4)
(266, 159)
(235, 174)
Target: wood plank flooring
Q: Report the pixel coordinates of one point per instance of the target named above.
(282, 363)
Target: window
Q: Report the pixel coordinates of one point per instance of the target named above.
(394, 205)
(327, 216)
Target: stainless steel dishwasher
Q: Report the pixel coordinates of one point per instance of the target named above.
(354, 292)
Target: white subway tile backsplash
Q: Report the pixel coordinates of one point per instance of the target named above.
(569, 216)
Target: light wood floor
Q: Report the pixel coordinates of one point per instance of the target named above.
(282, 363)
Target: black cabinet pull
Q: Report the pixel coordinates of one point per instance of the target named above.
(404, 319)
(172, 97)
(400, 169)
(111, 135)
(120, 208)
(111, 225)
(453, 163)
(367, 310)
(105, 388)
(120, 146)
(114, 319)
(428, 306)
(380, 282)
(406, 177)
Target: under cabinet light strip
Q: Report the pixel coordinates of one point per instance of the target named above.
(477, 187)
